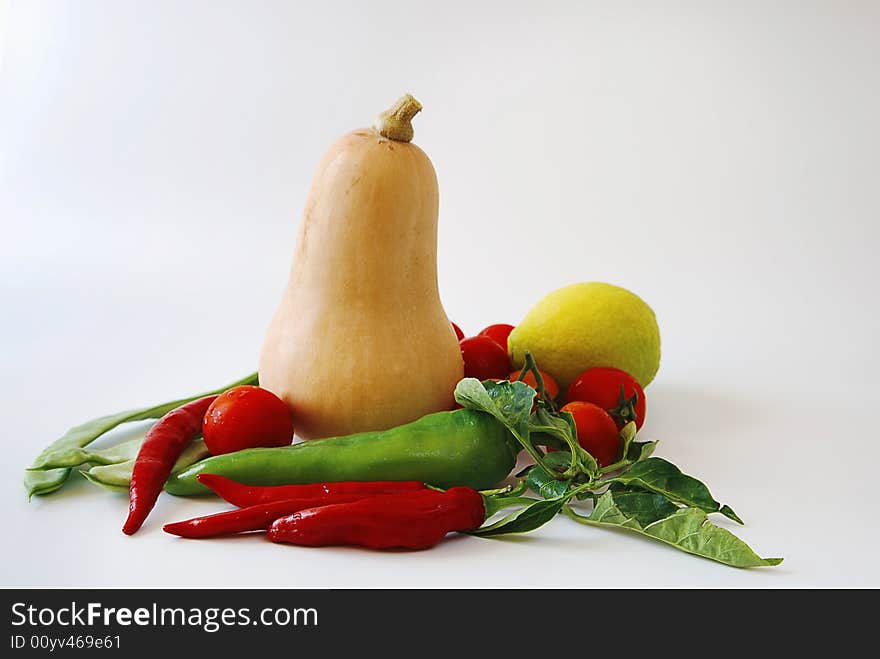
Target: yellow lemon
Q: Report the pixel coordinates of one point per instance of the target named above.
(585, 325)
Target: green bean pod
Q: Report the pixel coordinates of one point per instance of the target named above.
(462, 447)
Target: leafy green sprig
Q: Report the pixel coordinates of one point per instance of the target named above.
(641, 493)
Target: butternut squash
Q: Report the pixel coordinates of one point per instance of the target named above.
(360, 340)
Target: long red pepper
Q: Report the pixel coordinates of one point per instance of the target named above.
(250, 518)
(410, 520)
(162, 446)
(243, 495)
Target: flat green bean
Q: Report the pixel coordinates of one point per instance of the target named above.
(53, 466)
(116, 476)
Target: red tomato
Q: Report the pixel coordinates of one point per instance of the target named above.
(484, 359)
(498, 333)
(596, 431)
(549, 383)
(601, 386)
(247, 417)
(458, 333)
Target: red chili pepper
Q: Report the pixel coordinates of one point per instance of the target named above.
(243, 495)
(162, 446)
(412, 520)
(252, 518)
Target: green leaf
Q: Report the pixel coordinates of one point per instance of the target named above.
(727, 511)
(525, 519)
(558, 460)
(545, 484)
(644, 507)
(494, 504)
(65, 450)
(688, 529)
(640, 451)
(561, 426)
(606, 512)
(627, 435)
(558, 424)
(509, 402)
(662, 477)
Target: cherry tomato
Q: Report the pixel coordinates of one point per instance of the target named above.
(498, 333)
(549, 383)
(596, 431)
(458, 333)
(247, 417)
(602, 386)
(484, 359)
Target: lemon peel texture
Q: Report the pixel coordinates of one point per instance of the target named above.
(585, 325)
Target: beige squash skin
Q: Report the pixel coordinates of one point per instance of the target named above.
(360, 340)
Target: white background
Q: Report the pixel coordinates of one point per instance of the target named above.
(719, 159)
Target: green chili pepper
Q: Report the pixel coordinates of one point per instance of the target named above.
(53, 466)
(462, 447)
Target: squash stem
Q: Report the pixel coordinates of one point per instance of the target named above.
(396, 122)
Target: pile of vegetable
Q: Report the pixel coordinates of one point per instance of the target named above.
(427, 445)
